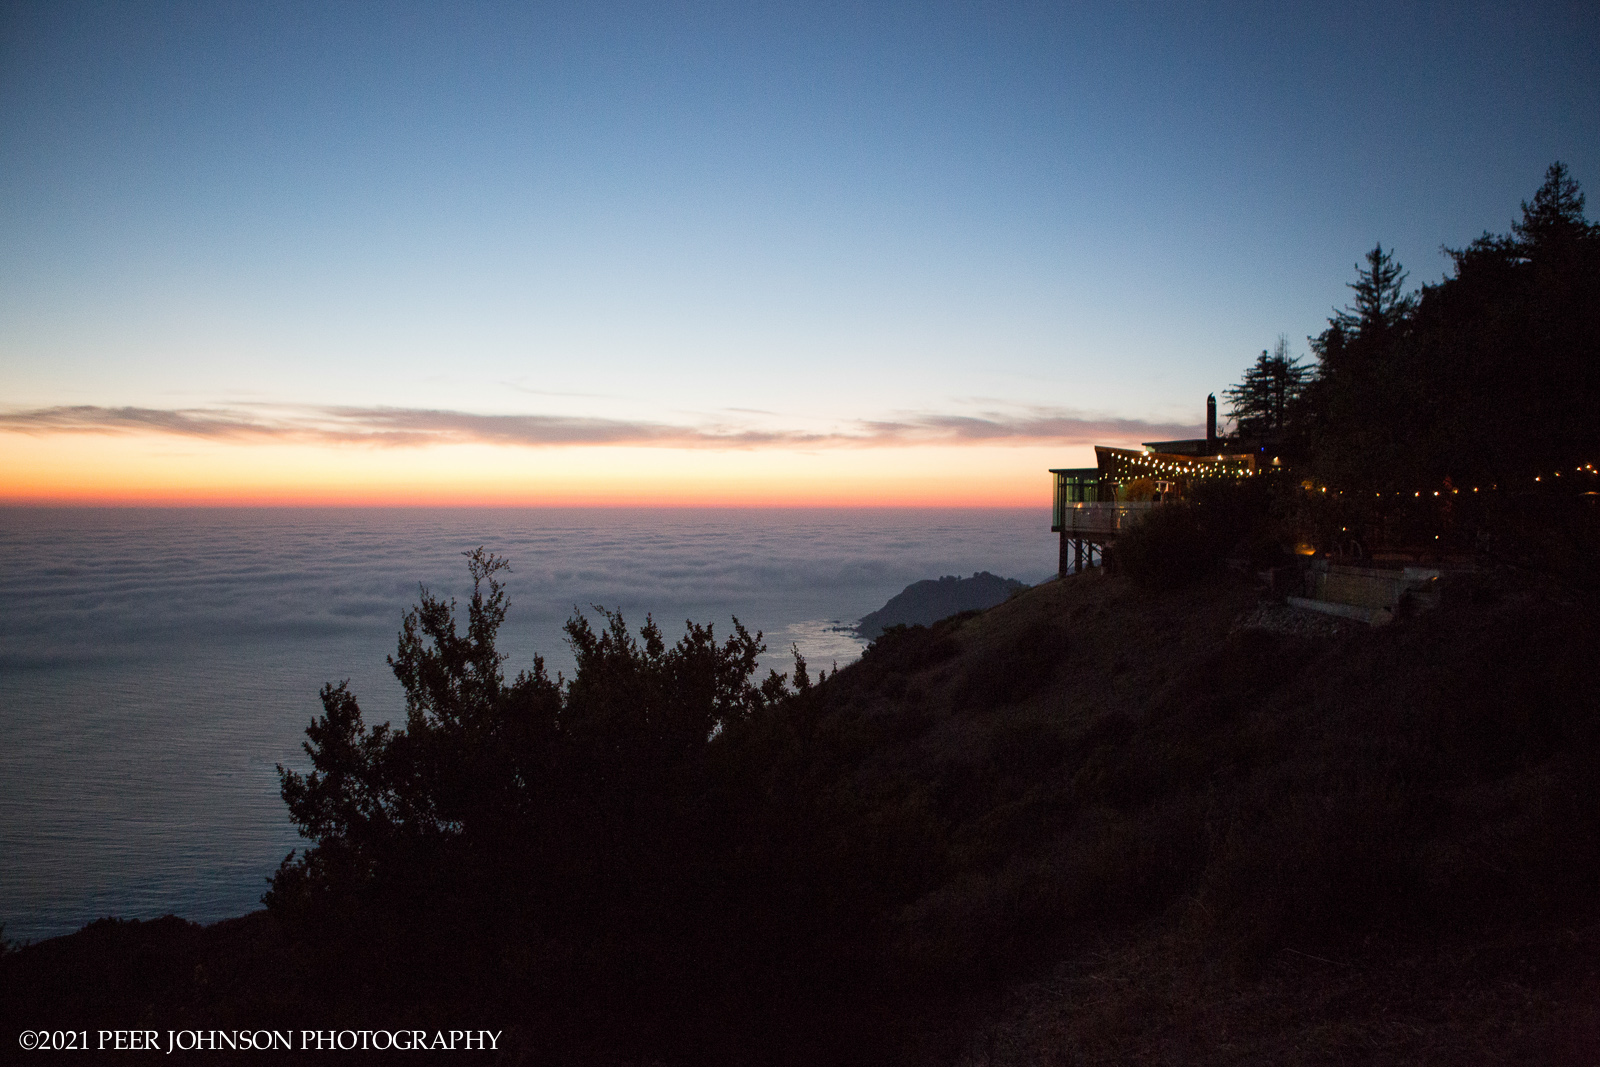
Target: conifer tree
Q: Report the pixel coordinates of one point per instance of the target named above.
(1381, 300)
(1264, 402)
(1555, 216)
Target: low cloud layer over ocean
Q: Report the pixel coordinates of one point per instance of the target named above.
(155, 664)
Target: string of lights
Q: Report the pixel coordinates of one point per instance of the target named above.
(1127, 465)
(1588, 469)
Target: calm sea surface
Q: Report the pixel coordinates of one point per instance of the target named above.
(155, 664)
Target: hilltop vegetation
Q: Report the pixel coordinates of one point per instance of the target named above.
(1489, 377)
(1458, 421)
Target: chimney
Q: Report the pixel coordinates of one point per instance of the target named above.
(1211, 422)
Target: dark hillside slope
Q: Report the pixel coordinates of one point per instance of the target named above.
(1099, 824)
(1092, 773)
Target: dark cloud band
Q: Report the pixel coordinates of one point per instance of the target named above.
(413, 427)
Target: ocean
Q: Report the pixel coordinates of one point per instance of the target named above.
(157, 664)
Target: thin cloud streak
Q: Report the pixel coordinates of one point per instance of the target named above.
(418, 427)
(184, 422)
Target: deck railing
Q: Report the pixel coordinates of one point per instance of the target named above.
(1099, 518)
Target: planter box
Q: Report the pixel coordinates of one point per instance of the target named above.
(1374, 595)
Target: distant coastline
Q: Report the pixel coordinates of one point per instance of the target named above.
(926, 602)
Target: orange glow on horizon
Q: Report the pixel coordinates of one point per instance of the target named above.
(138, 469)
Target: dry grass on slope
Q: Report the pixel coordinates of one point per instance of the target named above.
(1249, 846)
(1159, 997)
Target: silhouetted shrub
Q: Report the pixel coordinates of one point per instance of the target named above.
(551, 849)
(1167, 549)
(908, 649)
(1222, 518)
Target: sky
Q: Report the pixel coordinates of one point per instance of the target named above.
(688, 254)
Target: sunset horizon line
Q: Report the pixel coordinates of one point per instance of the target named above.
(93, 456)
(324, 504)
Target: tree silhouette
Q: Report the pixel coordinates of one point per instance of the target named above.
(1362, 389)
(573, 812)
(1488, 377)
(1555, 217)
(461, 760)
(1265, 401)
(1381, 302)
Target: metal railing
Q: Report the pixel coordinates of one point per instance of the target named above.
(1100, 517)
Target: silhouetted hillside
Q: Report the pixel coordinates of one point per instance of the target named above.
(1095, 824)
(925, 603)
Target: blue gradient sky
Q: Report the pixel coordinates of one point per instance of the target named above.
(795, 221)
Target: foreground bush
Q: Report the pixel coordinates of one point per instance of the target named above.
(1222, 518)
(526, 840)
